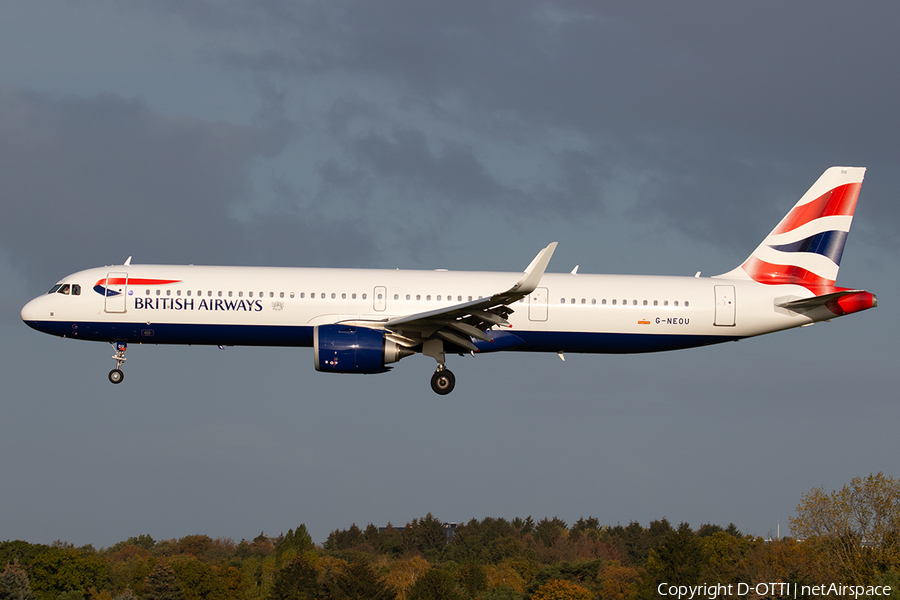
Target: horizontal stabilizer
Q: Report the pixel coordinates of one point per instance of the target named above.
(840, 303)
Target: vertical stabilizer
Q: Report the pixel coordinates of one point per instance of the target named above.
(805, 248)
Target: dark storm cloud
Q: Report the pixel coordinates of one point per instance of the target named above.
(695, 97)
(91, 181)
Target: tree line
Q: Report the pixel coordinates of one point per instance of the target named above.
(850, 536)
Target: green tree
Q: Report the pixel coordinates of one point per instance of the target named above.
(472, 577)
(161, 584)
(427, 536)
(298, 580)
(14, 583)
(857, 527)
(435, 584)
(294, 544)
(358, 581)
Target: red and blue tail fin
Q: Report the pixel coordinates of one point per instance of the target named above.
(805, 248)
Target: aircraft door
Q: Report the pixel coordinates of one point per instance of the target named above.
(537, 305)
(116, 291)
(379, 297)
(724, 305)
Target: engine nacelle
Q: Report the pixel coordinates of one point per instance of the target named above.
(352, 349)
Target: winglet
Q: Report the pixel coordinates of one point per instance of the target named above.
(534, 272)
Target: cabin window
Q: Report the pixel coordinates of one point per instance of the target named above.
(634, 302)
(272, 295)
(220, 293)
(583, 301)
(230, 294)
(665, 302)
(333, 295)
(439, 298)
(686, 303)
(593, 301)
(292, 294)
(645, 303)
(364, 296)
(177, 292)
(303, 294)
(614, 302)
(428, 298)
(470, 298)
(603, 302)
(353, 296)
(281, 294)
(240, 294)
(188, 292)
(418, 296)
(676, 303)
(407, 296)
(158, 292)
(656, 303)
(396, 296)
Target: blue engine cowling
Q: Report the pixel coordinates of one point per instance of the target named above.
(352, 349)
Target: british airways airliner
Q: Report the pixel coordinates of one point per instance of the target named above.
(362, 320)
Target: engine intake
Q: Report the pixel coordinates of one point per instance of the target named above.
(352, 349)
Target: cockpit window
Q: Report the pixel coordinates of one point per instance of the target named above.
(55, 288)
(76, 289)
(64, 289)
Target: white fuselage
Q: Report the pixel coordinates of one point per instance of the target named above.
(167, 304)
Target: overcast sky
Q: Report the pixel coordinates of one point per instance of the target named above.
(650, 138)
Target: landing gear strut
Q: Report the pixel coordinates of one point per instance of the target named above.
(116, 375)
(443, 381)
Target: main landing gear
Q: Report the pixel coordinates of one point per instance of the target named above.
(443, 381)
(116, 375)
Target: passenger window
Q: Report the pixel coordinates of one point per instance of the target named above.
(593, 301)
(333, 295)
(178, 292)
(159, 292)
(634, 302)
(645, 303)
(656, 303)
(272, 295)
(583, 301)
(665, 302)
(686, 303)
(220, 293)
(281, 294)
(603, 302)
(614, 301)
(470, 298)
(396, 296)
(230, 294)
(364, 296)
(562, 300)
(428, 297)
(439, 298)
(418, 296)
(189, 292)
(407, 296)
(676, 303)
(303, 294)
(353, 296)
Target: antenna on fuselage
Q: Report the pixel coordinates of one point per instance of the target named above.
(127, 262)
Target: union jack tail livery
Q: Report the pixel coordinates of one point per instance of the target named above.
(805, 248)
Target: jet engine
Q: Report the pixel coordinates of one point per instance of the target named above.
(351, 349)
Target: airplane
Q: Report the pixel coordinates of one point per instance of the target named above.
(362, 320)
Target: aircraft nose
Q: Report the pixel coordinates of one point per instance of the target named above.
(34, 311)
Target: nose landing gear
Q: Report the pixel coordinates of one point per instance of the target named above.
(116, 375)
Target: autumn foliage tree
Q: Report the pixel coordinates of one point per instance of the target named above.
(857, 527)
